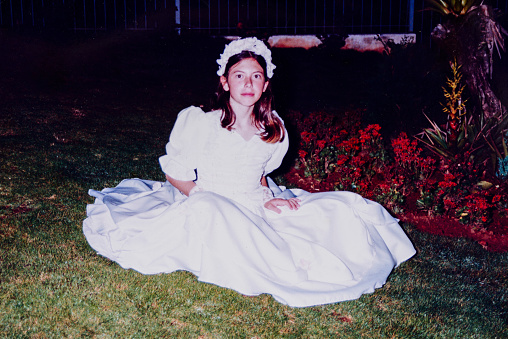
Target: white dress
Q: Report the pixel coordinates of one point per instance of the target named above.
(335, 247)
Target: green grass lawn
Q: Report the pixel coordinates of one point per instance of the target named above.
(52, 284)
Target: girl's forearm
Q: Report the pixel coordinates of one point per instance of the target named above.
(182, 185)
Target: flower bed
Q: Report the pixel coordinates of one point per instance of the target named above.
(447, 197)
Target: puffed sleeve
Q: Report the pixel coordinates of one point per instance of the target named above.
(281, 149)
(185, 144)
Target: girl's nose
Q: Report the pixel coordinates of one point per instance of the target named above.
(248, 82)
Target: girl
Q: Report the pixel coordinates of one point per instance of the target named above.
(219, 217)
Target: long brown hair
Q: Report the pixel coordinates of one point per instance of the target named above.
(263, 116)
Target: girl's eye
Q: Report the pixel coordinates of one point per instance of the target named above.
(238, 76)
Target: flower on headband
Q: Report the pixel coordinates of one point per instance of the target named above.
(248, 44)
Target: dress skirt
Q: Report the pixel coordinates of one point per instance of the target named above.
(335, 247)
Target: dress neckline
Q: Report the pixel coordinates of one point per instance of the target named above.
(254, 136)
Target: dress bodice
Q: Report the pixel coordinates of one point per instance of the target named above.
(225, 163)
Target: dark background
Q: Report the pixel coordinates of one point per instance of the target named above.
(164, 72)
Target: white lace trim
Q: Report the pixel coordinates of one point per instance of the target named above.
(248, 44)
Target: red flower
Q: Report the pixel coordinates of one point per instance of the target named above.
(305, 136)
(350, 145)
(449, 177)
(302, 153)
(406, 151)
(341, 159)
(447, 184)
(449, 204)
(367, 134)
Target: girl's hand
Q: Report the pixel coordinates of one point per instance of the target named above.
(273, 204)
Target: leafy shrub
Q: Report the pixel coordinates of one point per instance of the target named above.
(336, 153)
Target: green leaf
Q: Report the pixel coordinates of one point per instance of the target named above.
(485, 185)
(441, 141)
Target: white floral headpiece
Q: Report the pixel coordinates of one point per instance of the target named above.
(248, 44)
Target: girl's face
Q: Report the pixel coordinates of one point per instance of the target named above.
(245, 83)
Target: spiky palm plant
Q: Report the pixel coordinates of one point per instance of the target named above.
(460, 134)
(453, 7)
(467, 134)
(470, 33)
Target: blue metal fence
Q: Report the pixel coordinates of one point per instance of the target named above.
(227, 17)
